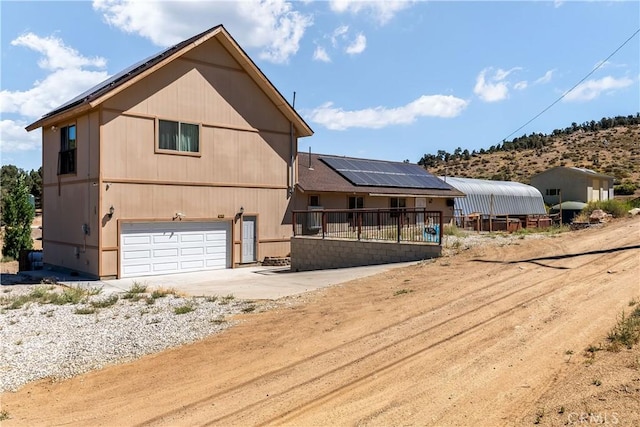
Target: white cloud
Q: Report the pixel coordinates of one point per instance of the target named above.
(56, 55)
(493, 88)
(14, 138)
(521, 85)
(592, 89)
(546, 78)
(503, 74)
(609, 64)
(67, 79)
(333, 118)
(557, 3)
(381, 11)
(56, 89)
(490, 92)
(358, 45)
(339, 34)
(321, 54)
(269, 25)
(341, 39)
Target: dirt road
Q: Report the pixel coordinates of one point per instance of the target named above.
(473, 339)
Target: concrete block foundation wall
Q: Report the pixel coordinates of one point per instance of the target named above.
(308, 253)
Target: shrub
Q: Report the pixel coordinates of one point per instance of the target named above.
(616, 208)
(107, 302)
(184, 309)
(134, 293)
(17, 214)
(627, 188)
(626, 332)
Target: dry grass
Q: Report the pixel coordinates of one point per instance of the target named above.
(614, 152)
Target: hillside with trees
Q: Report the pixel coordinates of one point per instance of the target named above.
(609, 146)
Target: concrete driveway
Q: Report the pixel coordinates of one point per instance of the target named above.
(255, 283)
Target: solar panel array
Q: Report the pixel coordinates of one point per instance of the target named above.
(384, 174)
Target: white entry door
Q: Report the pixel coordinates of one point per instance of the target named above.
(248, 238)
(154, 248)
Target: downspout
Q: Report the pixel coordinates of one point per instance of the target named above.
(292, 149)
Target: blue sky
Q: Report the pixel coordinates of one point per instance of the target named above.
(383, 80)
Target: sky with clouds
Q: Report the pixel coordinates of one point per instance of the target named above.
(376, 79)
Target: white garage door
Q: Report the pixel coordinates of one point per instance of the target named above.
(148, 249)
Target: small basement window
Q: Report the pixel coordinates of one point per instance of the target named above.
(178, 136)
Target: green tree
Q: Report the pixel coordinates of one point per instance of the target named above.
(8, 177)
(36, 185)
(18, 216)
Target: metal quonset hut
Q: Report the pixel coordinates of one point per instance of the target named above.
(498, 205)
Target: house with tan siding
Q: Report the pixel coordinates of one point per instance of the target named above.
(185, 161)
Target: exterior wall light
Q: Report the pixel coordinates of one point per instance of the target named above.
(240, 212)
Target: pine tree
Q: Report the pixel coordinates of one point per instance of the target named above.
(17, 214)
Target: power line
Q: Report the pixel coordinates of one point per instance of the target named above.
(576, 85)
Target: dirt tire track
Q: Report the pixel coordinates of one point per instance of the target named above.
(406, 358)
(361, 358)
(470, 343)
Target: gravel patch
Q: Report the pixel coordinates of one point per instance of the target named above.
(48, 340)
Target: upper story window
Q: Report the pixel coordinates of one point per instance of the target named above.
(67, 154)
(178, 136)
(314, 200)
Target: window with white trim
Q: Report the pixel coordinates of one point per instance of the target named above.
(178, 136)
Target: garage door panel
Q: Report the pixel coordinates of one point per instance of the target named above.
(197, 251)
(137, 270)
(165, 238)
(193, 265)
(163, 248)
(192, 238)
(137, 254)
(213, 264)
(164, 267)
(165, 253)
(136, 240)
(215, 235)
(216, 250)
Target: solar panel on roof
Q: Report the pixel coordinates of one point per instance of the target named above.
(384, 174)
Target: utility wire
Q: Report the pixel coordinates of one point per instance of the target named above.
(576, 85)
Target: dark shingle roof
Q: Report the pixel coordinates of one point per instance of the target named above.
(322, 178)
